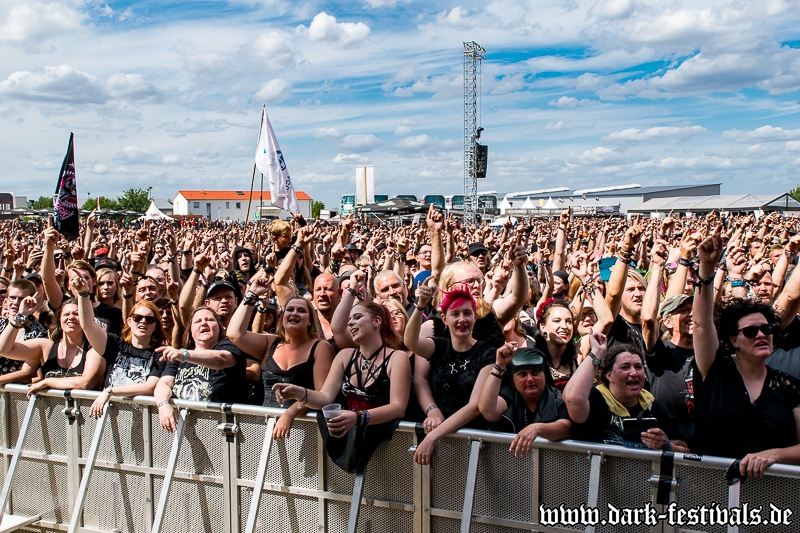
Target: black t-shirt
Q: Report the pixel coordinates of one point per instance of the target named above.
(486, 329)
(667, 357)
(604, 426)
(729, 424)
(34, 330)
(674, 392)
(626, 332)
(550, 409)
(128, 365)
(200, 383)
(453, 374)
(109, 318)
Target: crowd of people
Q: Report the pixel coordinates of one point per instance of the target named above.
(675, 333)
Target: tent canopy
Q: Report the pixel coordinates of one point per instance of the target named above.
(154, 213)
(550, 204)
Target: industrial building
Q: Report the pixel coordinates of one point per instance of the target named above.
(232, 205)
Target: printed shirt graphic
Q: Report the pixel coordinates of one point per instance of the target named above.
(34, 330)
(129, 365)
(194, 382)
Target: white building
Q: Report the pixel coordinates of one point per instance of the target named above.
(232, 205)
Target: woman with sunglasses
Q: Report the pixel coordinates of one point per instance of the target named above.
(744, 409)
(133, 364)
(295, 354)
(67, 361)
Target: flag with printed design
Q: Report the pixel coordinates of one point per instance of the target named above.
(65, 208)
(270, 162)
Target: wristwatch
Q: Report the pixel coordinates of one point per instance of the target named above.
(595, 360)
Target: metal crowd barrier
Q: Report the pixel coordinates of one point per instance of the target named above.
(65, 471)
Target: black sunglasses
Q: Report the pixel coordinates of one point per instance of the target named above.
(479, 253)
(148, 319)
(3, 292)
(751, 332)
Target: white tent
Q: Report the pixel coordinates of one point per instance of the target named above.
(154, 213)
(499, 221)
(528, 204)
(504, 206)
(549, 204)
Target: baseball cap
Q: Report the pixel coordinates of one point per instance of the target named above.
(671, 304)
(477, 247)
(528, 359)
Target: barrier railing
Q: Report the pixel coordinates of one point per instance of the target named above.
(65, 471)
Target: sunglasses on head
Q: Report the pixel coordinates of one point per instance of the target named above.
(751, 332)
(148, 319)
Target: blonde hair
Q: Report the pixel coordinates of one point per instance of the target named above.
(483, 308)
(102, 272)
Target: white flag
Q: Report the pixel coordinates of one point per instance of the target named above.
(269, 160)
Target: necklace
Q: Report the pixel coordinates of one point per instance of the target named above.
(366, 363)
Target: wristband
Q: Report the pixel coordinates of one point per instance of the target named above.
(185, 353)
(595, 360)
(127, 296)
(250, 298)
(499, 369)
(162, 403)
(431, 408)
(108, 390)
(418, 308)
(84, 294)
(685, 262)
(495, 374)
(737, 282)
(197, 271)
(297, 249)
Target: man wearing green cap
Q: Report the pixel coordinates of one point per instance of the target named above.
(529, 406)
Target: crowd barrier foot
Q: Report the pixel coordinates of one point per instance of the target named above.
(355, 503)
(13, 522)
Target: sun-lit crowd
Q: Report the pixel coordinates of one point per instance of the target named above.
(672, 333)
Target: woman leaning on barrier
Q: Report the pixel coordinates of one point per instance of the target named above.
(209, 369)
(459, 365)
(372, 384)
(67, 361)
(618, 410)
(745, 409)
(531, 407)
(134, 366)
(295, 354)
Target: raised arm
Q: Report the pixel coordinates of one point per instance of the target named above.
(52, 290)
(787, 304)
(650, 329)
(561, 239)
(96, 335)
(576, 393)
(507, 308)
(435, 222)
(619, 272)
(422, 346)
(255, 344)
(490, 403)
(705, 334)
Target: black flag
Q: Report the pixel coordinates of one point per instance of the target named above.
(65, 212)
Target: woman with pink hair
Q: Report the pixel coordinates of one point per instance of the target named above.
(459, 365)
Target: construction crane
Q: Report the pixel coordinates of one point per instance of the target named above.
(473, 55)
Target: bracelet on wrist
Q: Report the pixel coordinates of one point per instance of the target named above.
(197, 271)
(84, 294)
(127, 296)
(499, 368)
(185, 353)
(250, 298)
(297, 249)
(162, 403)
(431, 408)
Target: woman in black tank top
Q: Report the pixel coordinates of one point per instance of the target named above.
(67, 361)
(371, 382)
(295, 354)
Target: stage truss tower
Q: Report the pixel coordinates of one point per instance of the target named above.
(473, 55)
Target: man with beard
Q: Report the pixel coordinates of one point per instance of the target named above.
(762, 286)
(388, 285)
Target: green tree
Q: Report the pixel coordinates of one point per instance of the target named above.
(795, 193)
(134, 200)
(316, 207)
(44, 202)
(105, 203)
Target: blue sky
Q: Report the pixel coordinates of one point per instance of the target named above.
(169, 94)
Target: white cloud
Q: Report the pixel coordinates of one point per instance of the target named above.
(793, 146)
(61, 84)
(350, 158)
(276, 90)
(509, 84)
(556, 125)
(440, 86)
(360, 142)
(276, 50)
(383, 3)
(612, 9)
(569, 101)
(133, 87)
(414, 143)
(458, 17)
(324, 27)
(133, 155)
(99, 169)
(704, 161)
(763, 133)
(32, 21)
(668, 134)
(327, 133)
(402, 130)
(597, 156)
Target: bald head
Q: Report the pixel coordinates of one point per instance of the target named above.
(326, 293)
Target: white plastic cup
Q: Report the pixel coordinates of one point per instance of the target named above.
(331, 411)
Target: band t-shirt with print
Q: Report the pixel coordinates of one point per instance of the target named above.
(200, 383)
(128, 365)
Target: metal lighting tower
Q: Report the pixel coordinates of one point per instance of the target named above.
(473, 54)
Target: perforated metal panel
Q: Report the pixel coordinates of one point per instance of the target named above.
(494, 494)
(201, 449)
(279, 513)
(123, 437)
(449, 474)
(115, 500)
(41, 488)
(390, 472)
(702, 486)
(783, 493)
(624, 483)
(440, 524)
(193, 507)
(47, 433)
(564, 479)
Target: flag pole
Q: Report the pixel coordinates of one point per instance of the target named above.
(260, 212)
(253, 178)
